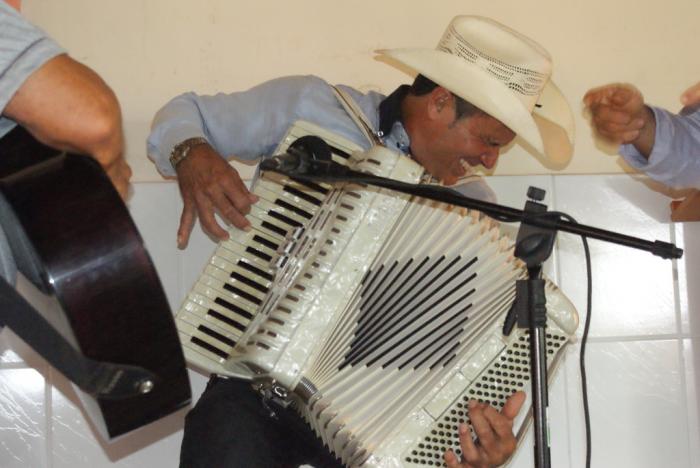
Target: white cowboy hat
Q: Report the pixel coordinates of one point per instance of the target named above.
(503, 73)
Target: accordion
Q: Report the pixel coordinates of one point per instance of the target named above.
(379, 316)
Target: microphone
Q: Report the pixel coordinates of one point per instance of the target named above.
(303, 157)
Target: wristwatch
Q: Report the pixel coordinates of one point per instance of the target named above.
(182, 149)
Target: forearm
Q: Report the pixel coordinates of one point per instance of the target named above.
(674, 158)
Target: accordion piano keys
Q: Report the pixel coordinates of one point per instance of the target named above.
(239, 275)
(229, 293)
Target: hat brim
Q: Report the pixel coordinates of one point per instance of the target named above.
(493, 97)
(555, 121)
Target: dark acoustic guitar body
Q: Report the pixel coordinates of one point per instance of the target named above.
(86, 251)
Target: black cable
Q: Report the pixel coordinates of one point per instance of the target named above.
(584, 339)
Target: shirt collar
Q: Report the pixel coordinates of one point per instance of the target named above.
(390, 109)
(391, 122)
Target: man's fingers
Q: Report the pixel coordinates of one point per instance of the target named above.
(238, 194)
(513, 405)
(186, 224)
(619, 135)
(627, 98)
(451, 459)
(494, 431)
(482, 427)
(214, 187)
(599, 95)
(205, 211)
(614, 131)
(120, 173)
(614, 116)
(470, 451)
(502, 428)
(230, 212)
(691, 96)
(617, 124)
(622, 96)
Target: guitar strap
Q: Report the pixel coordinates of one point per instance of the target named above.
(100, 379)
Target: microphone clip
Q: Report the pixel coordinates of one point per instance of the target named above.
(307, 156)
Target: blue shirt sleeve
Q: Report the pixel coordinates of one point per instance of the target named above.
(675, 157)
(23, 49)
(246, 124)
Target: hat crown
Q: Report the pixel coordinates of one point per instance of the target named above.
(515, 60)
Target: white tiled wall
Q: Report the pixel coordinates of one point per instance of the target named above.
(642, 360)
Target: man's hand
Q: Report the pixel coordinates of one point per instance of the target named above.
(495, 440)
(691, 96)
(620, 116)
(119, 173)
(208, 185)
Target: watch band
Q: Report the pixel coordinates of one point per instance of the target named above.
(182, 149)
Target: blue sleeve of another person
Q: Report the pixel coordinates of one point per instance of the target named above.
(23, 49)
(675, 158)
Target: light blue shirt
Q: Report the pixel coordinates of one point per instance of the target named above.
(250, 124)
(23, 49)
(675, 157)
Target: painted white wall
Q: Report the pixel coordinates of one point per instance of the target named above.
(151, 50)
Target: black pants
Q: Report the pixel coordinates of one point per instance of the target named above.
(229, 427)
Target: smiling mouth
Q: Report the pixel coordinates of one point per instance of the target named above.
(468, 169)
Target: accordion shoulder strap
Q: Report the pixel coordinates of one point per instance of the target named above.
(357, 115)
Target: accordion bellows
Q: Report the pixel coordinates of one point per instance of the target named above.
(380, 314)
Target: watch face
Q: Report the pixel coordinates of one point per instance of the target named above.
(181, 150)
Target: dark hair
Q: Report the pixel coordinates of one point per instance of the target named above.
(423, 85)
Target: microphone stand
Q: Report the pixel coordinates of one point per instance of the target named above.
(534, 245)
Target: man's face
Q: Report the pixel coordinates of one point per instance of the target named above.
(454, 145)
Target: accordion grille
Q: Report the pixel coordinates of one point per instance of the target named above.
(507, 374)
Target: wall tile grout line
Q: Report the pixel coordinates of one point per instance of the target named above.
(48, 405)
(553, 205)
(680, 303)
(633, 338)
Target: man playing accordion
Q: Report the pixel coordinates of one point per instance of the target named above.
(484, 85)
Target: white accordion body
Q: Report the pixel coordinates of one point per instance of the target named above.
(381, 315)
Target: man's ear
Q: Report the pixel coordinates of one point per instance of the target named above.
(440, 103)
